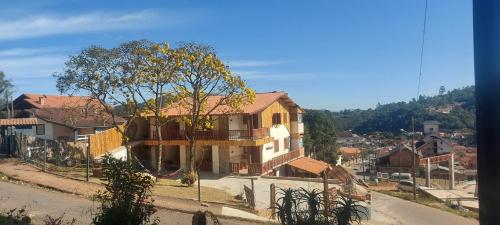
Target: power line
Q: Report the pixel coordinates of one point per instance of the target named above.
(422, 51)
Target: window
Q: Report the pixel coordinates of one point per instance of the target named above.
(299, 117)
(40, 129)
(276, 118)
(287, 143)
(255, 121)
(276, 145)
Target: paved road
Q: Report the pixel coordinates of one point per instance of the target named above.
(41, 202)
(398, 211)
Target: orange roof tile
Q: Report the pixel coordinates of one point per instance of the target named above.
(18, 121)
(309, 165)
(261, 102)
(55, 101)
(349, 151)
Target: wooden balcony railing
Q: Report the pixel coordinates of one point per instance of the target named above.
(263, 168)
(215, 134)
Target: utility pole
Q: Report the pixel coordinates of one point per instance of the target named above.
(414, 158)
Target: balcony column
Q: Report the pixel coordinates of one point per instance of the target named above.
(215, 159)
(153, 157)
(183, 156)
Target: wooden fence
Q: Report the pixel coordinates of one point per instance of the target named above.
(105, 141)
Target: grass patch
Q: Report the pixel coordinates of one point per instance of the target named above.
(431, 202)
(173, 188)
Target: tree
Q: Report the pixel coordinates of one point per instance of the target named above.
(5, 91)
(158, 65)
(320, 135)
(442, 90)
(127, 199)
(202, 76)
(108, 77)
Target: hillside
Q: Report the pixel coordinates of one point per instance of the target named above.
(454, 109)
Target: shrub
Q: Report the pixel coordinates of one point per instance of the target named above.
(127, 199)
(15, 217)
(303, 207)
(200, 218)
(189, 178)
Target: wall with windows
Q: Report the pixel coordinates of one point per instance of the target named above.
(280, 134)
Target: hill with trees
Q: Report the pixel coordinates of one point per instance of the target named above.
(454, 109)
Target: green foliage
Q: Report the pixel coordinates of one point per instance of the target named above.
(391, 118)
(303, 207)
(188, 178)
(5, 90)
(127, 199)
(347, 211)
(200, 218)
(15, 217)
(320, 135)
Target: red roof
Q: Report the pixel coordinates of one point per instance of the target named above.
(309, 165)
(18, 121)
(261, 102)
(55, 101)
(349, 151)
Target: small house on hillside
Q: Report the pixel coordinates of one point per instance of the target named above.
(68, 118)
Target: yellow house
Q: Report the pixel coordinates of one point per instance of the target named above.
(260, 139)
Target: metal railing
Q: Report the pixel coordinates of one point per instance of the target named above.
(263, 168)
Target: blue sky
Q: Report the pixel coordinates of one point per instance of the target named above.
(325, 54)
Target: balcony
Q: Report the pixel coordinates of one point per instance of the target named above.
(266, 167)
(230, 135)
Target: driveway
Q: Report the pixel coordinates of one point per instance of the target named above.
(234, 185)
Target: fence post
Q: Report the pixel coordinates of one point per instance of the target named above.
(451, 171)
(44, 155)
(87, 178)
(199, 184)
(428, 173)
(326, 194)
(253, 186)
(273, 201)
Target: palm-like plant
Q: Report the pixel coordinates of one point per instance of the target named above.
(303, 207)
(347, 211)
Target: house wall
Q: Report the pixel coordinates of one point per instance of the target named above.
(236, 122)
(277, 133)
(62, 131)
(49, 130)
(406, 159)
(266, 116)
(429, 127)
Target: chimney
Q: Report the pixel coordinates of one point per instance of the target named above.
(41, 100)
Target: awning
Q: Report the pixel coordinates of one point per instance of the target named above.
(309, 165)
(18, 121)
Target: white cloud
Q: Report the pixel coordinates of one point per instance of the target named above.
(253, 63)
(44, 25)
(32, 66)
(15, 52)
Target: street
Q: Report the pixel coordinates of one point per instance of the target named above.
(40, 202)
(398, 211)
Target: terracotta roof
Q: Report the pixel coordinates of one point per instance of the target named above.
(54, 101)
(77, 117)
(261, 102)
(18, 121)
(349, 150)
(309, 165)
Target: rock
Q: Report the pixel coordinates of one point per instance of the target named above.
(204, 204)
